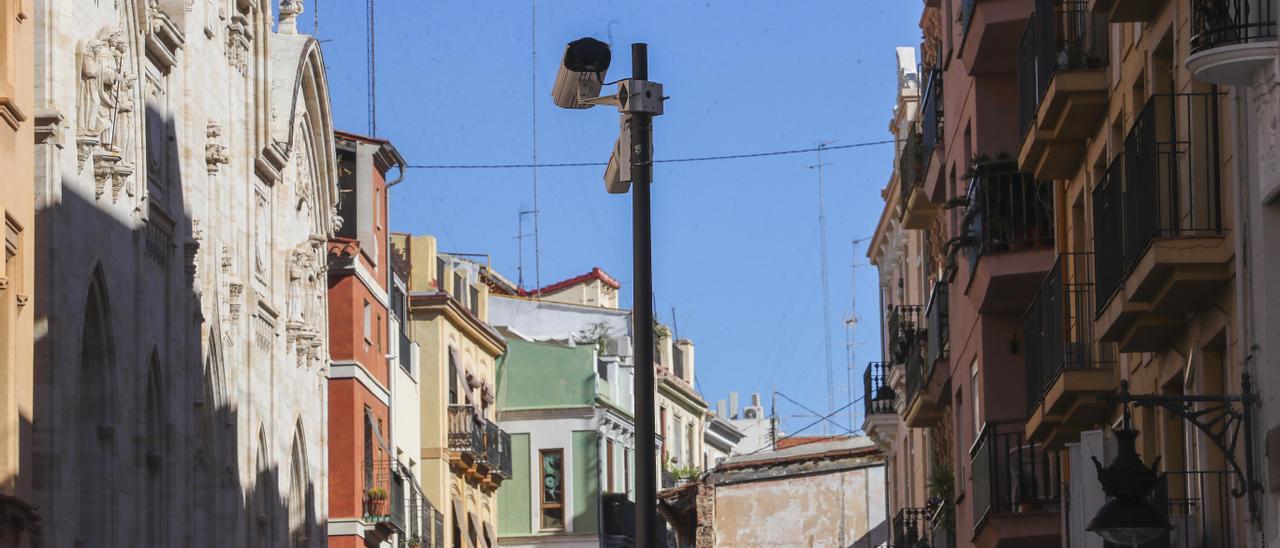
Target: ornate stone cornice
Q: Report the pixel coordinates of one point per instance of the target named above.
(271, 162)
(164, 38)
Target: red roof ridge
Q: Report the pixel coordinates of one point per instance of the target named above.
(596, 274)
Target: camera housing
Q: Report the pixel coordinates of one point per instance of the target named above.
(581, 73)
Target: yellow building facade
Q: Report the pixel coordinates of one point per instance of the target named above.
(463, 452)
(17, 195)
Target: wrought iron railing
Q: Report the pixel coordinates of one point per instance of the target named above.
(1199, 508)
(504, 448)
(384, 501)
(931, 116)
(910, 528)
(466, 431)
(1010, 474)
(1217, 23)
(1008, 210)
(619, 514)
(492, 445)
(904, 323)
(1059, 325)
(1168, 184)
(1061, 35)
(942, 532)
(937, 324)
(877, 396)
(910, 165)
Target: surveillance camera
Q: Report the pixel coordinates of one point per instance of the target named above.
(581, 73)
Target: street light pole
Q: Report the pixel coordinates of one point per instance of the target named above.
(642, 301)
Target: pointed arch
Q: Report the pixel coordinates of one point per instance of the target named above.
(95, 417)
(303, 91)
(265, 496)
(156, 449)
(301, 517)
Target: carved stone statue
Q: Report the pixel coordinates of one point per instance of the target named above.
(103, 78)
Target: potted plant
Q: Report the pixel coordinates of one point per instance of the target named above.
(414, 541)
(375, 501)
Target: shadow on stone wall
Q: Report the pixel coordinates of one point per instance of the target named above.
(136, 432)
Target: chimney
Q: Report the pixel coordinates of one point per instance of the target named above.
(684, 349)
(733, 405)
(755, 399)
(720, 410)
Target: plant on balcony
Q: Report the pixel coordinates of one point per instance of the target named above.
(596, 334)
(375, 501)
(684, 474)
(942, 484)
(414, 542)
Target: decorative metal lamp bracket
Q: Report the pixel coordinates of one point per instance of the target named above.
(1222, 421)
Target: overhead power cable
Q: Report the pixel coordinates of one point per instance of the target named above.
(656, 161)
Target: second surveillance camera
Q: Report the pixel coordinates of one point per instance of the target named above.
(581, 73)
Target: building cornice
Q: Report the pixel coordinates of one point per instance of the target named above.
(681, 393)
(443, 304)
(348, 369)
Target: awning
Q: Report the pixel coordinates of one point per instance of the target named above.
(471, 528)
(456, 360)
(490, 537)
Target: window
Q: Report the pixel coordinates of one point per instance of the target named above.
(552, 499)
(678, 446)
(689, 441)
(475, 301)
(608, 463)
(368, 449)
(662, 431)
(626, 471)
(453, 380)
(977, 395)
(377, 338)
(440, 274)
(367, 323)
(459, 289)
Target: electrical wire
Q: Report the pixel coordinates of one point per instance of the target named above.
(657, 161)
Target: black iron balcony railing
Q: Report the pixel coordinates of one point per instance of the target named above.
(384, 500)
(619, 515)
(910, 528)
(937, 328)
(1168, 184)
(942, 532)
(1008, 210)
(1199, 508)
(931, 115)
(1217, 23)
(1010, 474)
(504, 449)
(492, 445)
(1061, 35)
(466, 431)
(1059, 325)
(910, 165)
(877, 396)
(904, 324)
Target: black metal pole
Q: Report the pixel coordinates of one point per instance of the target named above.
(642, 300)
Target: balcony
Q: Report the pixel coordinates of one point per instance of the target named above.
(384, 506)
(619, 515)
(1066, 369)
(1160, 246)
(1126, 11)
(1231, 39)
(1062, 86)
(931, 133)
(942, 532)
(937, 328)
(1016, 489)
(917, 209)
(880, 419)
(466, 436)
(1009, 233)
(907, 337)
(910, 528)
(991, 29)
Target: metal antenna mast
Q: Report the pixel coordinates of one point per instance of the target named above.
(533, 91)
(373, 83)
(520, 236)
(826, 292)
(852, 331)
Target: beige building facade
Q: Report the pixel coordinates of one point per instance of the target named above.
(462, 450)
(17, 273)
(185, 187)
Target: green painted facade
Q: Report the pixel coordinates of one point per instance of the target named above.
(586, 481)
(515, 504)
(542, 376)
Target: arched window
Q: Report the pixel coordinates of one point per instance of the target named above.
(265, 498)
(95, 420)
(299, 503)
(155, 442)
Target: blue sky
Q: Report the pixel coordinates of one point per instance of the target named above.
(736, 243)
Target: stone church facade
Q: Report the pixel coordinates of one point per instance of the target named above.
(185, 188)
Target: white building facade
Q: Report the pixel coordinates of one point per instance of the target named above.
(185, 190)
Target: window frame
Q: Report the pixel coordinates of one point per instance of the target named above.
(543, 504)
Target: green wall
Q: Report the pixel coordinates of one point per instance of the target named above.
(540, 375)
(515, 504)
(586, 481)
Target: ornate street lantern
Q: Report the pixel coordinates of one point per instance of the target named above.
(1128, 519)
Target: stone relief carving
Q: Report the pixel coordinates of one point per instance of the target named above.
(105, 111)
(235, 292)
(239, 36)
(305, 301)
(215, 153)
